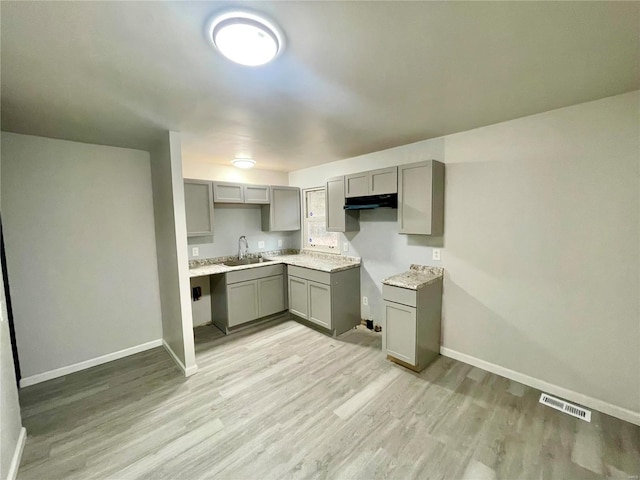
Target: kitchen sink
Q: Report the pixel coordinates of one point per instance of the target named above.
(246, 261)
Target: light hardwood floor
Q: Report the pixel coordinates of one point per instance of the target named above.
(281, 400)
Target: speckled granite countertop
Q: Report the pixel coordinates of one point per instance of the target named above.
(313, 260)
(417, 277)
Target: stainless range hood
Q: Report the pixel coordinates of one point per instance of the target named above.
(372, 201)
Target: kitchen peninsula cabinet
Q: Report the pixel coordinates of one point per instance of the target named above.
(198, 201)
(412, 316)
(328, 300)
(245, 295)
(421, 198)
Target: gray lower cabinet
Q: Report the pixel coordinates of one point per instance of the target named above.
(329, 300)
(198, 203)
(283, 212)
(412, 324)
(421, 198)
(245, 295)
(337, 218)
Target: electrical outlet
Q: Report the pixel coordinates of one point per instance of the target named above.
(195, 252)
(280, 242)
(365, 301)
(436, 254)
(345, 247)
(261, 244)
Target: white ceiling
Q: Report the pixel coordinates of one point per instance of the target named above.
(356, 77)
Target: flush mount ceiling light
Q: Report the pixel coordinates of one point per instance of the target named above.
(243, 162)
(245, 38)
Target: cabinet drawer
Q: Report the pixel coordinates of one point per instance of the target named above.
(309, 274)
(254, 273)
(399, 295)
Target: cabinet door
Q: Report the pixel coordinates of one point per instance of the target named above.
(401, 332)
(383, 181)
(284, 209)
(256, 194)
(271, 295)
(198, 204)
(243, 302)
(228, 192)
(356, 185)
(298, 297)
(334, 205)
(320, 304)
(421, 198)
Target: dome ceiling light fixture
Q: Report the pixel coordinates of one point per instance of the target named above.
(245, 37)
(243, 162)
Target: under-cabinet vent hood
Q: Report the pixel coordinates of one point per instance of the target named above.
(372, 201)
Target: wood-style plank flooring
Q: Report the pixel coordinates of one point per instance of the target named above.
(281, 400)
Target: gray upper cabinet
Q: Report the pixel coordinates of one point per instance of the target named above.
(421, 198)
(356, 185)
(283, 212)
(339, 220)
(256, 194)
(373, 182)
(383, 181)
(224, 192)
(198, 203)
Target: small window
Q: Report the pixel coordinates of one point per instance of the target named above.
(315, 234)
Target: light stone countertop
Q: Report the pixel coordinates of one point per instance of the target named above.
(417, 277)
(313, 260)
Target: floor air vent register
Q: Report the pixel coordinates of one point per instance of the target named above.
(566, 407)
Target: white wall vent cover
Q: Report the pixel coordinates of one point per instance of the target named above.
(566, 407)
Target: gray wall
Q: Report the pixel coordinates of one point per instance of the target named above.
(541, 245)
(10, 421)
(230, 221)
(171, 243)
(80, 249)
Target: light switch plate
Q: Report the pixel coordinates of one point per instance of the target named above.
(261, 244)
(436, 254)
(345, 247)
(280, 242)
(195, 252)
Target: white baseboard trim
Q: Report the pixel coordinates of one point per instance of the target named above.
(187, 371)
(594, 403)
(17, 455)
(76, 367)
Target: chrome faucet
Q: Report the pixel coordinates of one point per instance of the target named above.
(243, 247)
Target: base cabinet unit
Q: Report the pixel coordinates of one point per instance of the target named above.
(337, 218)
(245, 295)
(328, 300)
(198, 203)
(412, 324)
(421, 198)
(283, 212)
